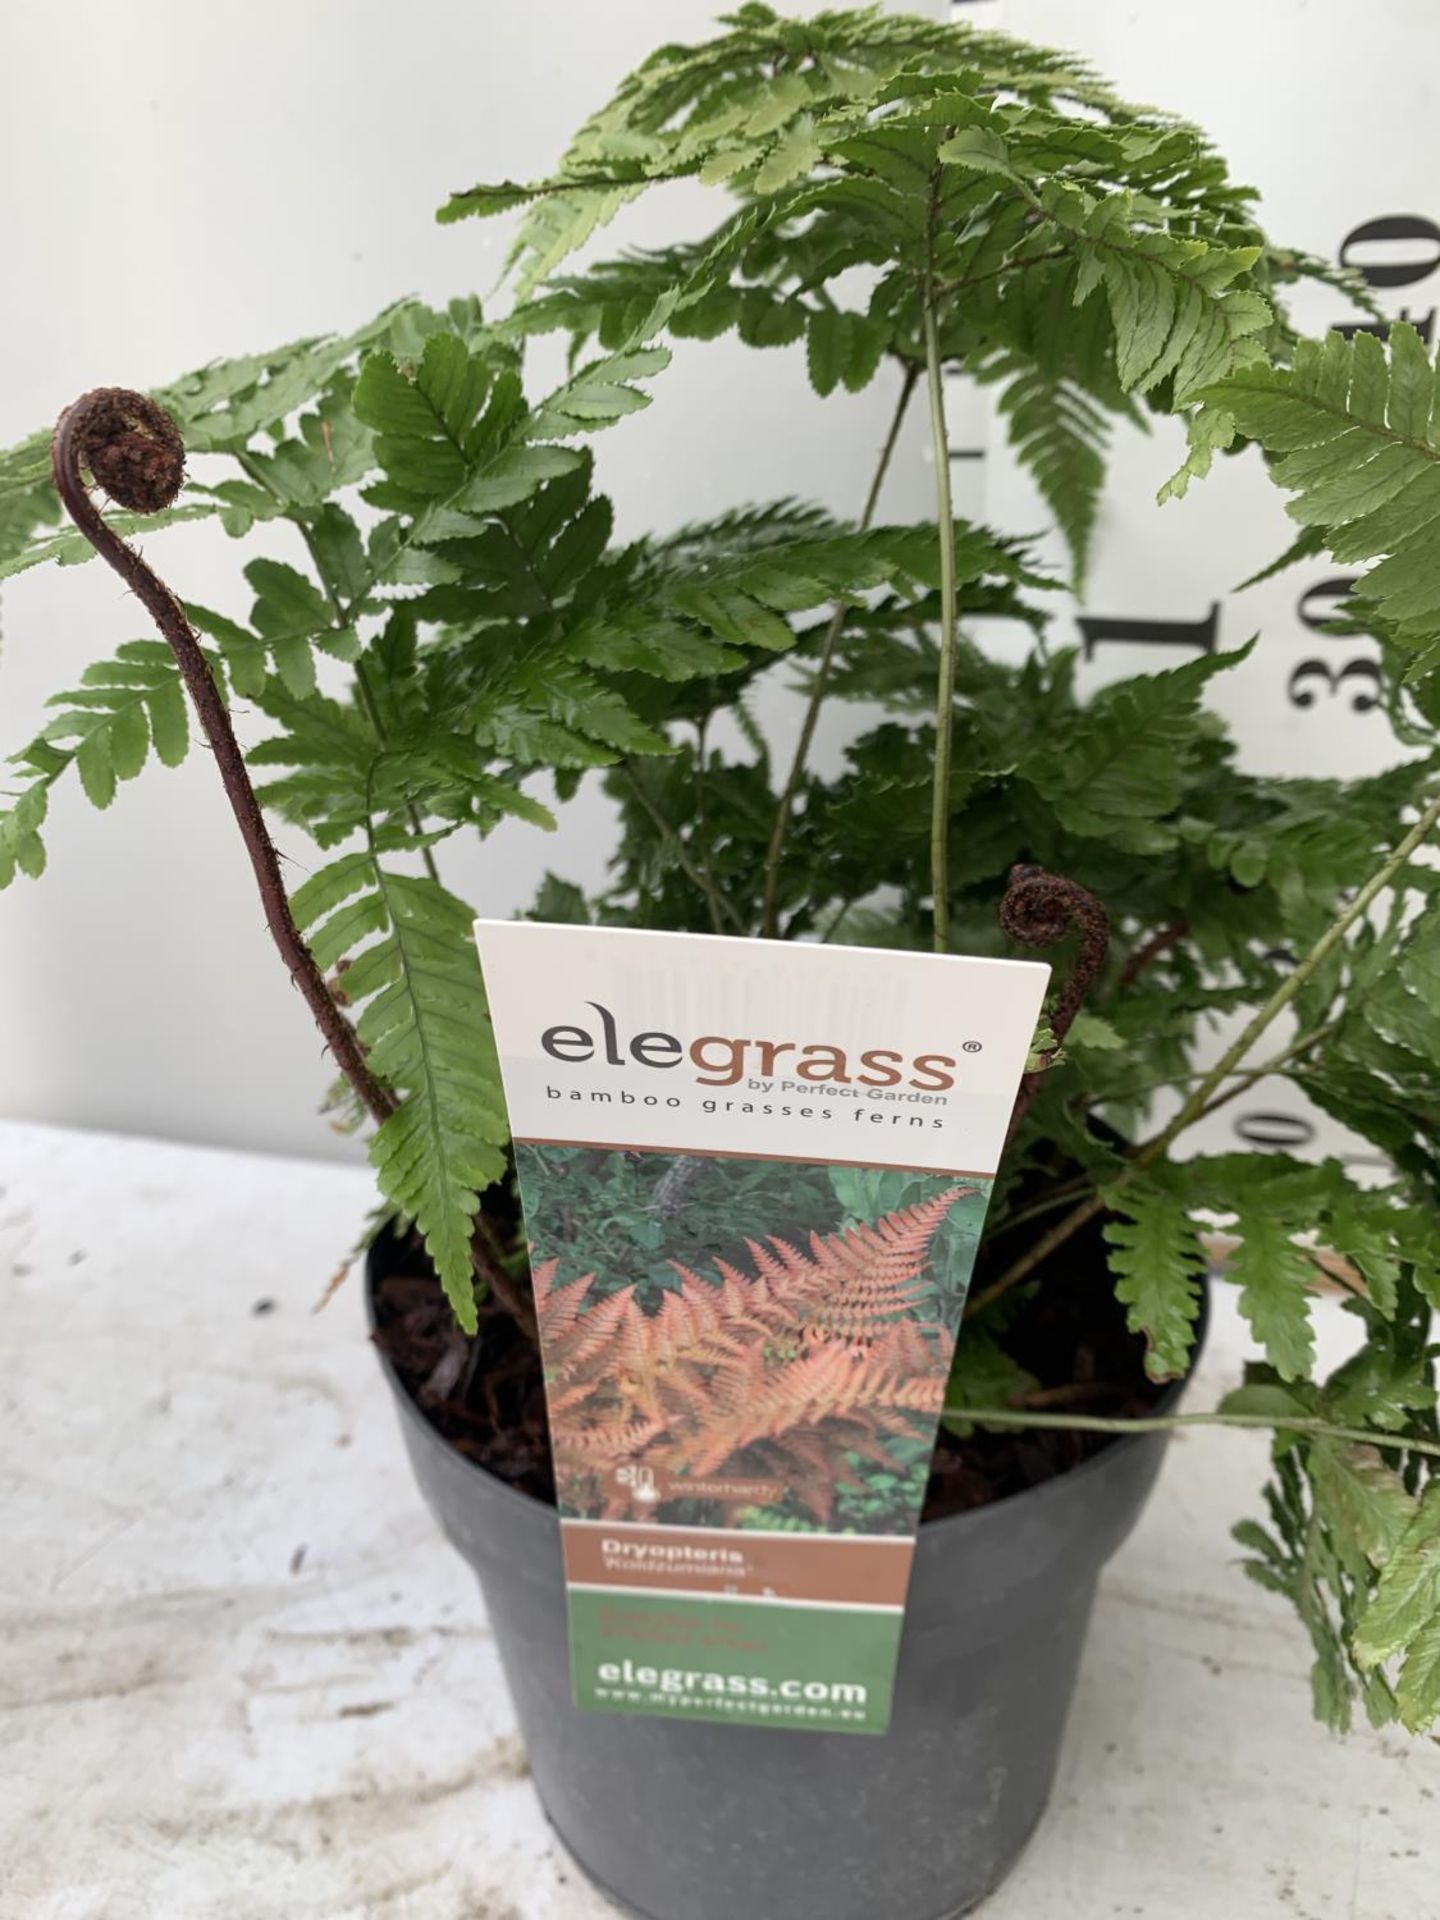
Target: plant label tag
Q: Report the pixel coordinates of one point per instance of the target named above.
(754, 1176)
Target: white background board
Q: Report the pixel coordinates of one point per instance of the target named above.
(229, 180)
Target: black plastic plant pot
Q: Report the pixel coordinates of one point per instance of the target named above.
(679, 1820)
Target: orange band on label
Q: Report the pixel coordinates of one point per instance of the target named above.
(837, 1569)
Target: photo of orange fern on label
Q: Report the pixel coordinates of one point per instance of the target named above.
(703, 1368)
(754, 1176)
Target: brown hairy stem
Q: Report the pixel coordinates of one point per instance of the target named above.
(133, 450)
(1039, 909)
(488, 1265)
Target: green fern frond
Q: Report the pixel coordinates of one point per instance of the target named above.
(1119, 772)
(290, 620)
(1101, 249)
(428, 1031)
(413, 971)
(1279, 1210)
(71, 549)
(846, 112)
(219, 408)
(1403, 1615)
(1178, 313)
(433, 427)
(224, 406)
(598, 395)
(457, 443)
(1158, 1264)
(1354, 431)
(106, 729)
(1276, 1278)
(1062, 436)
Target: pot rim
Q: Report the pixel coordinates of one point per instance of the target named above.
(411, 1410)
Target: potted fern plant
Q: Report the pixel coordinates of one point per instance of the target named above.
(905, 199)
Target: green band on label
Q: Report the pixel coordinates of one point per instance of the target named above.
(753, 1665)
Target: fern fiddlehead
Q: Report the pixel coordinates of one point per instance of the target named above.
(133, 450)
(1039, 909)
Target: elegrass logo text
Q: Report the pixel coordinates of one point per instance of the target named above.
(678, 1687)
(614, 1673)
(723, 1060)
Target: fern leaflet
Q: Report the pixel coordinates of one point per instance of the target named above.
(427, 1029)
